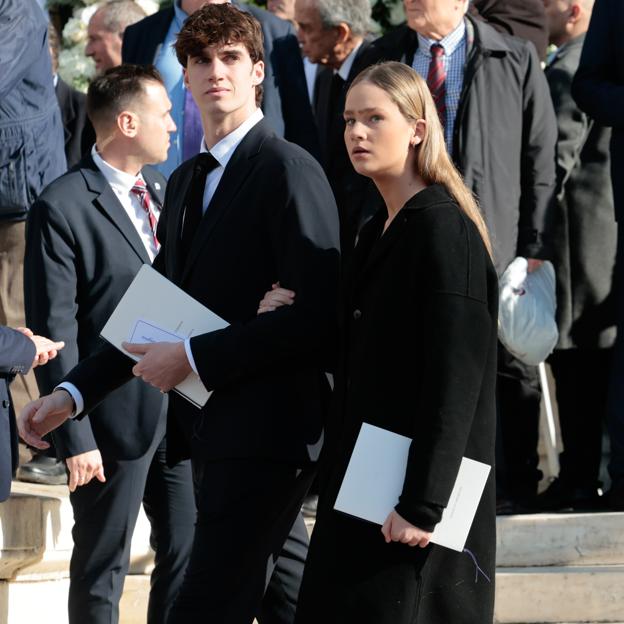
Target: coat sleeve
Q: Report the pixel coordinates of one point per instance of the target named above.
(572, 125)
(17, 352)
(51, 302)
(595, 88)
(539, 140)
(304, 240)
(458, 337)
(21, 41)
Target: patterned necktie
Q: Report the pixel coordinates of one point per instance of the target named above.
(436, 80)
(193, 131)
(205, 162)
(140, 190)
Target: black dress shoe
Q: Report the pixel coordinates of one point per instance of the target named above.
(44, 470)
(563, 496)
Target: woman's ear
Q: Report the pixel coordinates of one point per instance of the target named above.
(419, 130)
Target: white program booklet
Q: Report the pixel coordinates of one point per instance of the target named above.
(153, 309)
(374, 481)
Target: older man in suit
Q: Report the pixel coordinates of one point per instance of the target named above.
(88, 235)
(151, 41)
(335, 34)
(598, 89)
(249, 211)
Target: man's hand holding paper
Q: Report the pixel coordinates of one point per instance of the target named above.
(163, 365)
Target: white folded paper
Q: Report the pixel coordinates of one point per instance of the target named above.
(374, 481)
(153, 309)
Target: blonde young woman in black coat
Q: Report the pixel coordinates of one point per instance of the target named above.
(418, 357)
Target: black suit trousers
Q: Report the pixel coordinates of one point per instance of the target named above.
(246, 510)
(105, 515)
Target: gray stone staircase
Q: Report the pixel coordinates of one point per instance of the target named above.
(557, 568)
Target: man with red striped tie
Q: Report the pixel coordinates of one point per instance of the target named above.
(88, 234)
(501, 131)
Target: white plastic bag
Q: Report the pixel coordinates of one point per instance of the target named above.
(526, 319)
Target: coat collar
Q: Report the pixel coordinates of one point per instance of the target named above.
(104, 199)
(372, 246)
(232, 181)
(403, 41)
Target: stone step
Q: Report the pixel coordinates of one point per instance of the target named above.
(560, 594)
(560, 539)
(35, 535)
(551, 567)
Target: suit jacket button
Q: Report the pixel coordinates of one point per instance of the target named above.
(5, 403)
(357, 314)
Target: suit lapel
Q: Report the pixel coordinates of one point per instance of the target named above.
(232, 181)
(109, 205)
(381, 246)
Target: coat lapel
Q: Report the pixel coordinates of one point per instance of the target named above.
(232, 181)
(376, 250)
(109, 205)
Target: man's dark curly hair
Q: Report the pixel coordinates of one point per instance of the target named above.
(218, 25)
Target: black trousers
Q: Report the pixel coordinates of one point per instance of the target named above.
(105, 515)
(518, 397)
(248, 520)
(582, 379)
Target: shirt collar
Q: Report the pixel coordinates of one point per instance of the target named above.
(120, 180)
(449, 43)
(347, 64)
(179, 15)
(223, 150)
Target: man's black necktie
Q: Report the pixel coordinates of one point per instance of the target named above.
(194, 208)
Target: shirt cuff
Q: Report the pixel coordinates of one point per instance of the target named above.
(189, 354)
(75, 394)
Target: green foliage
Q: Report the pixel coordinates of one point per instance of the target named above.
(388, 13)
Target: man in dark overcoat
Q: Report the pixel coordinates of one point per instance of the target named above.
(598, 89)
(584, 258)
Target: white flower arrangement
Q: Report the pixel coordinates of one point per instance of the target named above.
(74, 67)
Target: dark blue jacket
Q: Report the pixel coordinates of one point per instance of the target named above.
(17, 353)
(31, 132)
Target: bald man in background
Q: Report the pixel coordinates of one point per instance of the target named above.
(106, 30)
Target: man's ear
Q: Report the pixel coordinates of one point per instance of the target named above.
(575, 13)
(128, 123)
(343, 32)
(258, 73)
(185, 78)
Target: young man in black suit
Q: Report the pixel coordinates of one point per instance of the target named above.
(89, 233)
(250, 211)
(151, 41)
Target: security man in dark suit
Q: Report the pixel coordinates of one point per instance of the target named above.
(89, 233)
(598, 89)
(251, 210)
(20, 350)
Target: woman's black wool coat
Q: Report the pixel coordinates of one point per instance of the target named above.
(418, 358)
